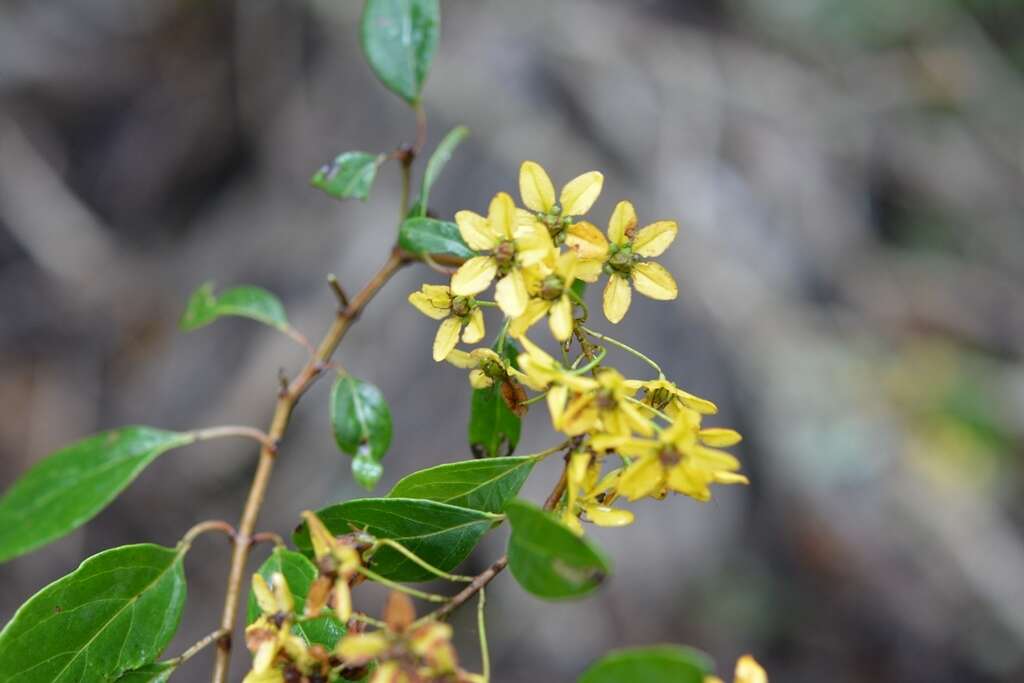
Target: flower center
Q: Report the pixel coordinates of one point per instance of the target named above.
(505, 255)
(669, 457)
(606, 400)
(659, 398)
(493, 369)
(462, 306)
(621, 259)
(552, 287)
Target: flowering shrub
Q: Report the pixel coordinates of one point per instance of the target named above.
(520, 270)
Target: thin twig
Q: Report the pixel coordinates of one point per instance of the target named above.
(206, 527)
(268, 536)
(339, 291)
(195, 649)
(223, 431)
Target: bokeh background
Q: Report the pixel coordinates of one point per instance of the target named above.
(848, 181)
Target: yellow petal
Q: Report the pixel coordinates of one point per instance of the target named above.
(527, 379)
(533, 244)
(587, 241)
(635, 419)
(447, 337)
(474, 275)
(474, 331)
(749, 671)
(654, 239)
(461, 359)
(475, 230)
(622, 223)
(589, 270)
(690, 482)
(425, 305)
(616, 298)
(712, 679)
(603, 515)
(268, 676)
(701, 405)
(479, 380)
(556, 404)
(561, 319)
(580, 193)
(535, 310)
(535, 187)
(264, 596)
(720, 437)
(511, 294)
(640, 479)
(342, 599)
(501, 216)
(361, 647)
(730, 478)
(652, 280)
(322, 539)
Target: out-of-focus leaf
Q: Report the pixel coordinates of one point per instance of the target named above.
(349, 176)
(361, 421)
(478, 484)
(441, 534)
(115, 613)
(436, 164)
(420, 236)
(399, 38)
(298, 573)
(68, 488)
(547, 558)
(657, 664)
(246, 301)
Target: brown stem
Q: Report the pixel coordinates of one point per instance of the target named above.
(286, 401)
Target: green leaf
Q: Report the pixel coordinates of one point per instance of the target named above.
(478, 484)
(399, 38)
(547, 558)
(579, 288)
(493, 428)
(299, 573)
(349, 176)
(436, 164)
(361, 421)
(151, 673)
(420, 236)
(441, 534)
(68, 488)
(247, 301)
(116, 612)
(657, 664)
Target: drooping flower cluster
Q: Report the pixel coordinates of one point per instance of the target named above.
(630, 438)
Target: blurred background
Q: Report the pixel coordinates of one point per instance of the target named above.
(848, 181)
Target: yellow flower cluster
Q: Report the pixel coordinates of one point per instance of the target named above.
(747, 671)
(650, 429)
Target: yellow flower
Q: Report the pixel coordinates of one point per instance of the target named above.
(586, 495)
(575, 199)
(275, 597)
(342, 562)
(680, 459)
(747, 671)
(486, 366)
(543, 371)
(665, 396)
(510, 246)
(605, 409)
(551, 296)
(437, 302)
(624, 263)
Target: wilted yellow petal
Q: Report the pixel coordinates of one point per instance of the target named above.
(652, 280)
(461, 359)
(425, 305)
(535, 310)
(654, 239)
(603, 515)
(475, 230)
(561, 319)
(361, 647)
(641, 478)
(580, 193)
(447, 337)
(282, 594)
(474, 331)
(535, 187)
(501, 216)
(264, 596)
(749, 671)
(617, 296)
(717, 436)
(474, 276)
(268, 676)
(587, 241)
(511, 294)
(622, 223)
(342, 599)
(320, 536)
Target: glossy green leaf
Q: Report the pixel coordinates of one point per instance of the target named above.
(579, 288)
(349, 176)
(441, 534)
(299, 573)
(493, 428)
(116, 612)
(246, 301)
(420, 236)
(151, 673)
(361, 421)
(547, 558)
(438, 160)
(478, 484)
(657, 664)
(399, 38)
(68, 488)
